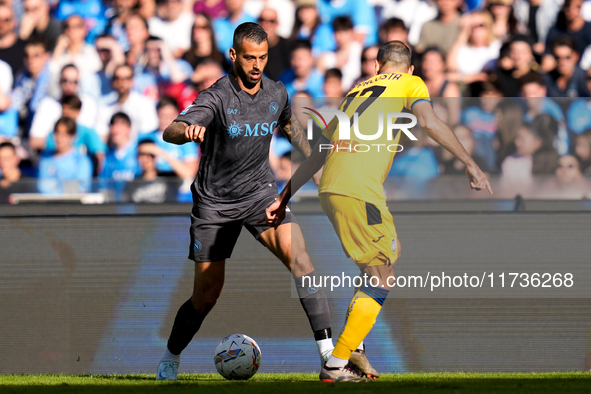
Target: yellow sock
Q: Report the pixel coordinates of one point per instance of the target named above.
(361, 316)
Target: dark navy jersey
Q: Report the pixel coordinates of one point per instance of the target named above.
(234, 167)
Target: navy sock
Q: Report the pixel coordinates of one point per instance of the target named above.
(186, 324)
(315, 304)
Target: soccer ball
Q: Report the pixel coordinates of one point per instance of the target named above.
(237, 357)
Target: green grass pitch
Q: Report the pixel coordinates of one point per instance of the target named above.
(445, 382)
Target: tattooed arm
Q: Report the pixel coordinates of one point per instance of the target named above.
(296, 134)
(179, 133)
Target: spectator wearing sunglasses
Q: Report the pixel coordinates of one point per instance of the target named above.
(149, 186)
(569, 23)
(98, 85)
(32, 83)
(567, 79)
(37, 21)
(278, 46)
(140, 109)
(11, 46)
(50, 109)
(71, 48)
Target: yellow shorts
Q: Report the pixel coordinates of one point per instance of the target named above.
(366, 231)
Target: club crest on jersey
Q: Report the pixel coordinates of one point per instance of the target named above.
(273, 108)
(234, 130)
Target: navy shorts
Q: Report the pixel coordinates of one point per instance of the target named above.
(214, 232)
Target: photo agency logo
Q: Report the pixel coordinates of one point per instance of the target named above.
(361, 142)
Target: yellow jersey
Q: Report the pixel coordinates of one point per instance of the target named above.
(357, 167)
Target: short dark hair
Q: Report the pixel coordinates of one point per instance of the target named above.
(286, 155)
(120, 116)
(395, 53)
(154, 38)
(522, 38)
(7, 144)
(68, 122)
(529, 127)
(434, 50)
(333, 73)
(393, 24)
(69, 65)
(301, 44)
(146, 141)
(341, 23)
(72, 101)
(479, 88)
(144, 20)
(565, 41)
(38, 41)
(165, 101)
(104, 35)
(531, 77)
(249, 31)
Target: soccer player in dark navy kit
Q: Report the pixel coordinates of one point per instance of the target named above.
(234, 121)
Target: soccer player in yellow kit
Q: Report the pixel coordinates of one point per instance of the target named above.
(351, 190)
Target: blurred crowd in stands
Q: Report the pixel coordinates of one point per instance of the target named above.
(87, 86)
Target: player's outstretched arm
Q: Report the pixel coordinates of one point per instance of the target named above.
(296, 134)
(179, 133)
(275, 213)
(442, 134)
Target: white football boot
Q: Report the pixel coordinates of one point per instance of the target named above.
(167, 370)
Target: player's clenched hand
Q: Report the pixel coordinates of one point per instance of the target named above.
(478, 179)
(274, 214)
(194, 133)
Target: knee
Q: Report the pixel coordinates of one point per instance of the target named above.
(301, 258)
(301, 264)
